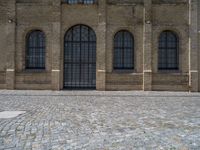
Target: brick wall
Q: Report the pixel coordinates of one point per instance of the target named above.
(106, 18)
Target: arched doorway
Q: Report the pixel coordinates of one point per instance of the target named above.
(80, 58)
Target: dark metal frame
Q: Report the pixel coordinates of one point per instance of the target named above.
(170, 47)
(80, 1)
(124, 49)
(80, 58)
(35, 50)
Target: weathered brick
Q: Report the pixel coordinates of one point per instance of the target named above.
(54, 18)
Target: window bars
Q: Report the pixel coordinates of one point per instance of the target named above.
(80, 1)
(80, 58)
(123, 51)
(35, 50)
(168, 56)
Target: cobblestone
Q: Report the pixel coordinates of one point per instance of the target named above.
(100, 120)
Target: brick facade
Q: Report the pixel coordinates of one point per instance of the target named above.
(145, 19)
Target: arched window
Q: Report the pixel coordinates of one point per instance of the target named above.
(35, 50)
(80, 57)
(123, 50)
(168, 51)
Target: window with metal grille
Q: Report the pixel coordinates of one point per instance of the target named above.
(35, 50)
(123, 50)
(80, 57)
(80, 1)
(168, 56)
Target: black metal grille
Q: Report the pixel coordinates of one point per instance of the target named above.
(80, 58)
(123, 50)
(80, 1)
(168, 51)
(35, 50)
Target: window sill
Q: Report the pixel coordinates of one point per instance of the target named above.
(175, 72)
(79, 3)
(123, 71)
(34, 71)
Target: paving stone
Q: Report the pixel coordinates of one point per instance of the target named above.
(100, 120)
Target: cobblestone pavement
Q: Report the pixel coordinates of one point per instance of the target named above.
(100, 120)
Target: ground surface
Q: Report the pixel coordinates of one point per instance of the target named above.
(100, 120)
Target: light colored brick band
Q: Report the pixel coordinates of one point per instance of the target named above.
(101, 71)
(147, 71)
(55, 70)
(195, 71)
(10, 70)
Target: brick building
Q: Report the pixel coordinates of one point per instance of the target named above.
(102, 44)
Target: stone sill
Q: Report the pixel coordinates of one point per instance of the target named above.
(33, 71)
(171, 72)
(124, 72)
(79, 3)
